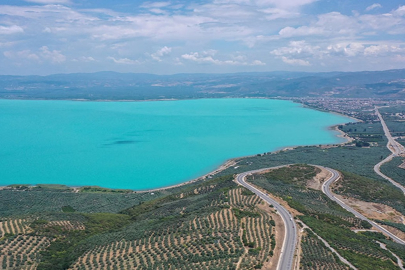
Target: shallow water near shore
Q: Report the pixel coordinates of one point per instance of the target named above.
(145, 145)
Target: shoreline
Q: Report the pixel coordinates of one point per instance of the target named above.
(234, 161)
(227, 164)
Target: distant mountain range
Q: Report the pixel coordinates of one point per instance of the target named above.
(388, 84)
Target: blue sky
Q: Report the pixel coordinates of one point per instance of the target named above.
(165, 37)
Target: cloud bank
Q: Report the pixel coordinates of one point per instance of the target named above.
(50, 36)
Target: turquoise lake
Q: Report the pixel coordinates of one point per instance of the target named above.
(143, 145)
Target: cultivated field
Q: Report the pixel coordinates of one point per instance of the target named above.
(214, 241)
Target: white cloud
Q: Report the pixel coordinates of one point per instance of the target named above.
(300, 53)
(295, 62)
(155, 4)
(285, 3)
(86, 59)
(44, 53)
(373, 6)
(155, 27)
(8, 30)
(278, 13)
(47, 2)
(206, 58)
(231, 27)
(383, 49)
(125, 61)
(196, 57)
(25, 54)
(258, 63)
(298, 48)
(160, 53)
(346, 49)
(400, 11)
(399, 58)
(47, 30)
(301, 31)
(54, 56)
(329, 24)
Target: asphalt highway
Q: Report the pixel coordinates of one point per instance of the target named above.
(290, 238)
(396, 148)
(326, 189)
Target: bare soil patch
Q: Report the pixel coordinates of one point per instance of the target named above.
(319, 179)
(374, 210)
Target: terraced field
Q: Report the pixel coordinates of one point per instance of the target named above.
(19, 249)
(213, 241)
(22, 251)
(13, 226)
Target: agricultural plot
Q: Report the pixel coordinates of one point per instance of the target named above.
(21, 251)
(13, 226)
(316, 256)
(215, 240)
(67, 225)
(257, 230)
(210, 241)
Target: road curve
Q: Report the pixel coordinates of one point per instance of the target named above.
(396, 149)
(290, 238)
(326, 189)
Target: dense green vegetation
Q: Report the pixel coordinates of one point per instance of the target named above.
(25, 200)
(316, 255)
(369, 190)
(397, 128)
(360, 250)
(297, 174)
(67, 245)
(68, 209)
(396, 248)
(392, 170)
(398, 226)
(103, 190)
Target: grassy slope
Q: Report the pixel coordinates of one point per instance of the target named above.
(369, 190)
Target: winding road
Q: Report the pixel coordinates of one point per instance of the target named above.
(396, 148)
(290, 238)
(326, 189)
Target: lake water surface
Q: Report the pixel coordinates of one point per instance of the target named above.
(142, 145)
